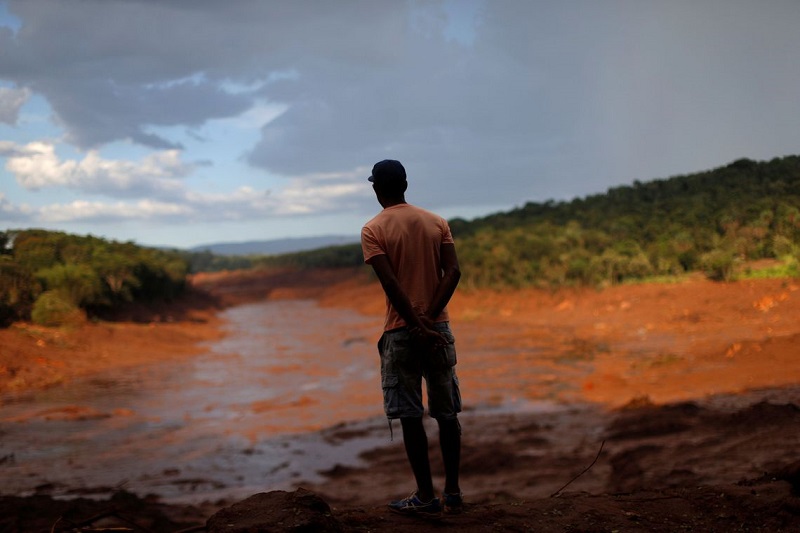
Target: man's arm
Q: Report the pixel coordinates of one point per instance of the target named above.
(451, 274)
(399, 299)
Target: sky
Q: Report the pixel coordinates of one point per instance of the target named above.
(181, 123)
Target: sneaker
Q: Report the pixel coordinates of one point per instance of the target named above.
(413, 505)
(452, 503)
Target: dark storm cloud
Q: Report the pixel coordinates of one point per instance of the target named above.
(540, 100)
(554, 100)
(11, 100)
(110, 69)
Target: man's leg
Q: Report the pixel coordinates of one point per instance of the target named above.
(416, 443)
(450, 442)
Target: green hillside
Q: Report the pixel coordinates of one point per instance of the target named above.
(54, 277)
(709, 221)
(706, 221)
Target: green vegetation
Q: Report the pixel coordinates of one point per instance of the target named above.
(53, 308)
(345, 255)
(209, 262)
(711, 221)
(716, 222)
(789, 267)
(54, 278)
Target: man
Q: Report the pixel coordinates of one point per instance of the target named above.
(414, 257)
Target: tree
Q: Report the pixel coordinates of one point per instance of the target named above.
(84, 271)
(77, 283)
(53, 309)
(17, 290)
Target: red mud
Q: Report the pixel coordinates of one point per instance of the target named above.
(691, 388)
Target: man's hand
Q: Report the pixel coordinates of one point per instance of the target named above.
(425, 336)
(420, 324)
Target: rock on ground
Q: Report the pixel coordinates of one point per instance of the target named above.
(298, 511)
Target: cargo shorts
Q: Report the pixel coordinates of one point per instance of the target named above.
(403, 365)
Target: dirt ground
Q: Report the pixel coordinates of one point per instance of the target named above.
(675, 406)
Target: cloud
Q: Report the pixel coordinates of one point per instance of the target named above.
(525, 100)
(313, 194)
(8, 148)
(11, 100)
(13, 213)
(37, 166)
(557, 102)
(111, 69)
(82, 211)
(154, 189)
(242, 204)
(126, 112)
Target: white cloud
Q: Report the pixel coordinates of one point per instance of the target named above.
(315, 194)
(8, 148)
(244, 203)
(257, 116)
(81, 211)
(14, 213)
(162, 195)
(36, 166)
(11, 101)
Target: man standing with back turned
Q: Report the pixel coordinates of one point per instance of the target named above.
(414, 257)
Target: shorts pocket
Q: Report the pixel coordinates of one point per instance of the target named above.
(391, 397)
(456, 395)
(450, 353)
(450, 349)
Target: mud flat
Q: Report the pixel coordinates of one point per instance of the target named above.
(690, 388)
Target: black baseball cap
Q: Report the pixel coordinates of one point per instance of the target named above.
(388, 171)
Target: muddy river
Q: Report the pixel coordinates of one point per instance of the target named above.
(242, 417)
(238, 418)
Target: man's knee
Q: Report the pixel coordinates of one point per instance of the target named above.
(450, 425)
(411, 422)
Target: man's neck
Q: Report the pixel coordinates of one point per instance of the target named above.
(386, 202)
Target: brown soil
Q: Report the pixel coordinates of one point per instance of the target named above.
(35, 357)
(691, 389)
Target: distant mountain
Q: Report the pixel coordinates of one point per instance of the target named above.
(275, 246)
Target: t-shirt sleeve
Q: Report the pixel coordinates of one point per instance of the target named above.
(370, 245)
(447, 236)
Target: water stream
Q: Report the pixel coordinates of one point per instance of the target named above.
(234, 420)
(292, 389)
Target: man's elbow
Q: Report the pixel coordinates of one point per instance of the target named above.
(453, 273)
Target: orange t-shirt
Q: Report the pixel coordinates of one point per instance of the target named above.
(412, 238)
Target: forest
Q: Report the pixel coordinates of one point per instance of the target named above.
(55, 278)
(713, 222)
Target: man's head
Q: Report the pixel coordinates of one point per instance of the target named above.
(389, 179)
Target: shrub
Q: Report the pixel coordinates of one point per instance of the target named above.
(52, 308)
(718, 265)
(78, 283)
(17, 290)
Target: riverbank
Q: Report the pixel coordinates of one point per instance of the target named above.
(668, 342)
(34, 358)
(692, 384)
(662, 341)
